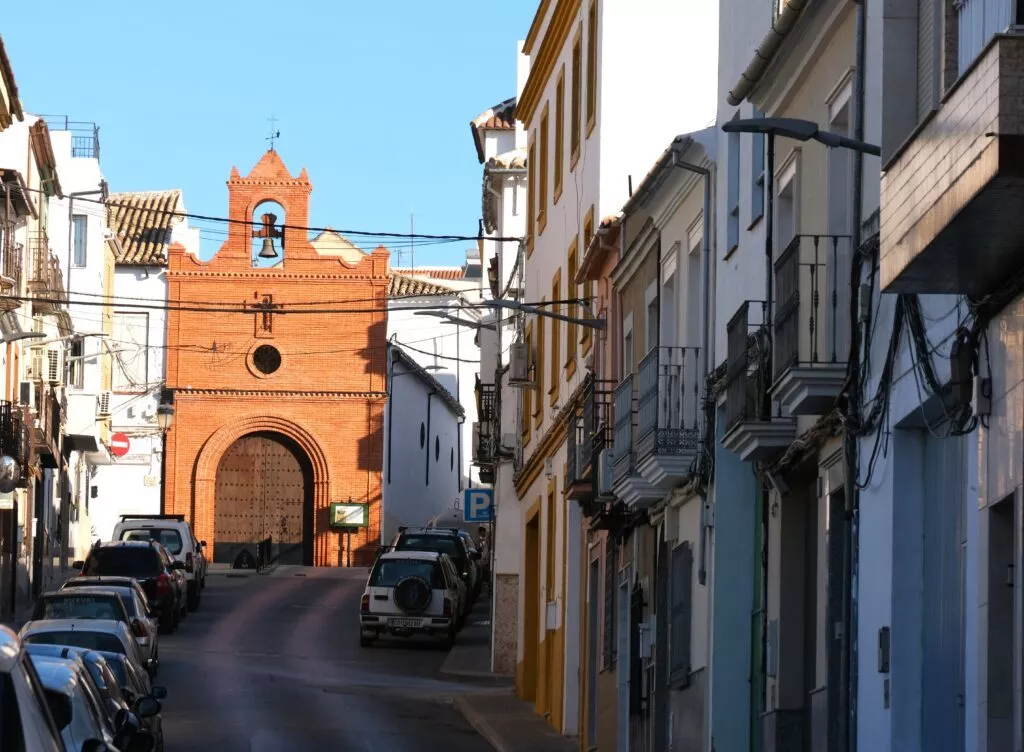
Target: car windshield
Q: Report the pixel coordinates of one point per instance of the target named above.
(125, 561)
(389, 572)
(79, 639)
(78, 606)
(170, 538)
(440, 543)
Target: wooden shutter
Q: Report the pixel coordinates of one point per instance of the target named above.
(682, 610)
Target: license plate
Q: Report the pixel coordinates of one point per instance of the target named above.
(403, 622)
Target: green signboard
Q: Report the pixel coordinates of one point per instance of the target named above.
(350, 515)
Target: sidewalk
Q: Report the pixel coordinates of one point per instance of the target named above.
(510, 725)
(471, 656)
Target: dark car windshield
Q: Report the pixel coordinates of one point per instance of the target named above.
(389, 572)
(91, 640)
(170, 538)
(79, 606)
(125, 561)
(440, 543)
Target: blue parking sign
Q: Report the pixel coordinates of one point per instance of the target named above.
(478, 504)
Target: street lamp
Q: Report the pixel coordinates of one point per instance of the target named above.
(798, 130)
(164, 420)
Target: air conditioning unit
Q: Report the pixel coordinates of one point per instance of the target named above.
(519, 365)
(27, 394)
(509, 441)
(604, 472)
(55, 365)
(103, 405)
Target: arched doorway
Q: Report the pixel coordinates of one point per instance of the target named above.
(264, 489)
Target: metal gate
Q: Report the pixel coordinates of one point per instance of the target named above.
(264, 490)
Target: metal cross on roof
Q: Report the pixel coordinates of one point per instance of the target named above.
(274, 132)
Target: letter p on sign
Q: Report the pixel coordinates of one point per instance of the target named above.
(478, 504)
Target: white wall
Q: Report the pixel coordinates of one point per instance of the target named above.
(448, 351)
(131, 484)
(421, 469)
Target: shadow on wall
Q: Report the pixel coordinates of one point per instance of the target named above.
(375, 354)
(370, 448)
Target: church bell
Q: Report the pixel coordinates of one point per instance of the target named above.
(268, 251)
(268, 232)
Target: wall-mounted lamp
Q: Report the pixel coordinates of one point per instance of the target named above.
(165, 410)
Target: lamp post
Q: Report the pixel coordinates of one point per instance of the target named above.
(164, 420)
(797, 130)
(805, 130)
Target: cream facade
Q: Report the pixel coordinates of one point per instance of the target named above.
(596, 117)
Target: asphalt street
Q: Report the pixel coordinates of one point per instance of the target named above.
(272, 664)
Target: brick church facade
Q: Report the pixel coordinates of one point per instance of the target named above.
(277, 365)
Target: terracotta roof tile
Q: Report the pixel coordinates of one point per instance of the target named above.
(436, 272)
(500, 117)
(142, 222)
(405, 286)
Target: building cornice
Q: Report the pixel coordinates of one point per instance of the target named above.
(634, 256)
(541, 68)
(535, 25)
(180, 392)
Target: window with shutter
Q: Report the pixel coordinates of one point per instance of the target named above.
(610, 586)
(682, 609)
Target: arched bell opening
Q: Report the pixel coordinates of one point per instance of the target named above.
(267, 250)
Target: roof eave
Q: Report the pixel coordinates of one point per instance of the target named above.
(7, 72)
(429, 380)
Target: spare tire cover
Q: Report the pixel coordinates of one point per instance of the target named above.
(413, 594)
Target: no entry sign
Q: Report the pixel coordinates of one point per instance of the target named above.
(119, 444)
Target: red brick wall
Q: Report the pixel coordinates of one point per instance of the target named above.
(328, 394)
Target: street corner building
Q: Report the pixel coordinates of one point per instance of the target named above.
(276, 364)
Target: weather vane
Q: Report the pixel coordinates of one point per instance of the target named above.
(274, 133)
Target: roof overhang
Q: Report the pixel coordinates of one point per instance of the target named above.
(11, 108)
(13, 187)
(42, 149)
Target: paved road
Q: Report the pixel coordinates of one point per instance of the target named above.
(273, 664)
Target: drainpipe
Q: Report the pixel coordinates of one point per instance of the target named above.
(848, 685)
(705, 173)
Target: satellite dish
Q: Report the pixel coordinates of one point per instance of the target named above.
(10, 473)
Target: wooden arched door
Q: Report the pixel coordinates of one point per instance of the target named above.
(264, 489)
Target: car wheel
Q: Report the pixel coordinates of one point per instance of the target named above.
(365, 640)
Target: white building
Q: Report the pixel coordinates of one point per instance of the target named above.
(609, 84)
(143, 225)
(422, 429)
(501, 148)
(80, 238)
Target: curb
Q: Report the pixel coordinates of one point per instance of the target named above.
(480, 725)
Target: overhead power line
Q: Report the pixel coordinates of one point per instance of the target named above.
(448, 238)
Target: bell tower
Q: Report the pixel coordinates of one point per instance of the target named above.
(266, 208)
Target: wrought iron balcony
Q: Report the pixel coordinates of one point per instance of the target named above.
(589, 432)
(487, 425)
(811, 324)
(48, 429)
(10, 268)
(627, 482)
(668, 416)
(750, 430)
(45, 280)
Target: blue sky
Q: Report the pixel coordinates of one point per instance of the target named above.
(374, 99)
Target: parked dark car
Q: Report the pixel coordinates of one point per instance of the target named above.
(443, 540)
(148, 562)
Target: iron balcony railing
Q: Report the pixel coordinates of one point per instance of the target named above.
(746, 358)
(589, 430)
(808, 327)
(85, 136)
(45, 276)
(487, 425)
(668, 414)
(624, 400)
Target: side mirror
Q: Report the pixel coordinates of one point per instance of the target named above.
(147, 707)
(178, 565)
(475, 555)
(60, 709)
(159, 693)
(78, 565)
